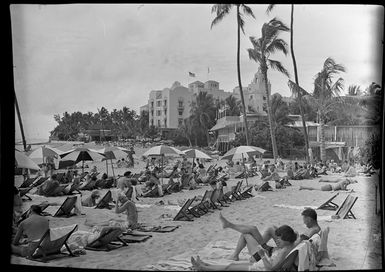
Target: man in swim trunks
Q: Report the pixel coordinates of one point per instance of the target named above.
(251, 234)
(34, 228)
(339, 186)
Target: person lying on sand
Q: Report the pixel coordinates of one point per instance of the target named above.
(339, 186)
(90, 201)
(34, 228)
(125, 205)
(251, 236)
(285, 238)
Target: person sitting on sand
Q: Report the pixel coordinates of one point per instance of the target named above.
(94, 169)
(125, 205)
(339, 186)
(273, 174)
(351, 171)
(33, 228)
(285, 241)
(90, 201)
(100, 183)
(122, 182)
(250, 235)
(344, 166)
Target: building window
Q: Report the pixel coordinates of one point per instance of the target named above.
(180, 112)
(165, 111)
(158, 123)
(264, 97)
(165, 122)
(158, 103)
(152, 122)
(158, 113)
(152, 113)
(180, 121)
(152, 104)
(165, 102)
(251, 97)
(180, 103)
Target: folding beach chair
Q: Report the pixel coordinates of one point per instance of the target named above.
(28, 182)
(183, 214)
(172, 188)
(59, 189)
(240, 176)
(329, 204)
(48, 250)
(193, 210)
(204, 205)
(66, 208)
(222, 198)
(90, 185)
(74, 188)
(288, 264)
(214, 200)
(229, 194)
(24, 191)
(105, 201)
(25, 215)
(154, 192)
(39, 181)
(109, 239)
(236, 192)
(345, 210)
(246, 193)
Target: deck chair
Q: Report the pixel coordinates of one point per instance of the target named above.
(48, 250)
(74, 188)
(345, 210)
(241, 175)
(246, 193)
(175, 187)
(43, 206)
(130, 238)
(288, 264)
(59, 189)
(193, 210)
(329, 204)
(24, 191)
(88, 186)
(214, 200)
(109, 239)
(39, 181)
(28, 182)
(183, 214)
(66, 208)
(104, 202)
(236, 192)
(204, 205)
(154, 192)
(222, 198)
(229, 194)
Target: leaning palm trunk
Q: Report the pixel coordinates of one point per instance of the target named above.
(239, 78)
(271, 121)
(296, 82)
(322, 140)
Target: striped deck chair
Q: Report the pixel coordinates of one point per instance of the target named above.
(74, 188)
(66, 208)
(183, 214)
(203, 207)
(223, 197)
(329, 204)
(229, 194)
(214, 200)
(24, 191)
(39, 181)
(28, 182)
(48, 250)
(345, 210)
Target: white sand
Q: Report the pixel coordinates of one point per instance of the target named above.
(350, 241)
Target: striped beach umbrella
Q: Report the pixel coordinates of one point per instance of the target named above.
(81, 154)
(40, 154)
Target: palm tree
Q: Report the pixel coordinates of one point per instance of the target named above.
(203, 113)
(325, 96)
(297, 95)
(354, 90)
(263, 47)
(222, 10)
(232, 105)
(279, 110)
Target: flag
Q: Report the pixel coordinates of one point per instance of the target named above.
(208, 70)
(191, 74)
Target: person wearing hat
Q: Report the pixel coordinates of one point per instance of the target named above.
(34, 227)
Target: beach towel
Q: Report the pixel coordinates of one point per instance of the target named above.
(293, 207)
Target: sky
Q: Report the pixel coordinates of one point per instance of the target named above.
(80, 57)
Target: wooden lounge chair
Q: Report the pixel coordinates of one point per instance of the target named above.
(329, 204)
(108, 240)
(66, 208)
(48, 250)
(154, 192)
(105, 201)
(43, 206)
(345, 210)
(246, 193)
(222, 198)
(236, 192)
(193, 210)
(204, 205)
(214, 199)
(183, 214)
(24, 191)
(229, 194)
(74, 188)
(90, 185)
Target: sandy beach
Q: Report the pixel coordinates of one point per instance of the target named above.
(352, 243)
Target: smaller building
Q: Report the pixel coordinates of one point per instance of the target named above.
(143, 108)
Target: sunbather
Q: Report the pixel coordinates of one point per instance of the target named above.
(125, 205)
(90, 201)
(339, 186)
(49, 187)
(251, 234)
(33, 227)
(351, 171)
(285, 240)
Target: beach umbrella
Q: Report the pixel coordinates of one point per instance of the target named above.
(40, 154)
(241, 152)
(23, 161)
(81, 154)
(113, 153)
(196, 153)
(162, 150)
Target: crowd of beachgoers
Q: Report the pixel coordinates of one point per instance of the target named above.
(91, 189)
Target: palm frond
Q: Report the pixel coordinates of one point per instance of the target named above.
(277, 44)
(221, 11)
(276, 65)
(241, 22)
(247, 10)
(296, 89)
(338, 86)
(270, 7)
(278, 24)
(255, 55)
